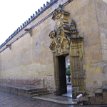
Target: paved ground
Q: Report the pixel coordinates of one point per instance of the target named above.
(10, 100)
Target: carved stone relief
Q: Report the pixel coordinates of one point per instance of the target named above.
(64, 31)
(65, 39)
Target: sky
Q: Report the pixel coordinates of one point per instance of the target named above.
(14, 12)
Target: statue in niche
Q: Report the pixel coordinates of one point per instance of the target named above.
(52, 35)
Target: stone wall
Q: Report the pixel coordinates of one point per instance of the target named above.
(101, 10)
(30, 57)
(84, 13)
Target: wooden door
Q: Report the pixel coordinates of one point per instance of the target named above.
(77, 72)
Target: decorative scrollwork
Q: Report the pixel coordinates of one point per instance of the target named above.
(52, 46)
(52, 34)
(63, 33)
(59, 12)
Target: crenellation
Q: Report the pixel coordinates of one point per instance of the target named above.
(44, 5)
(41, 8)
(7, 40)
(12, 36)
(25, 23)
(14, 33)
(31, 17)
(47, 3)
(18, 29)
(37, 13)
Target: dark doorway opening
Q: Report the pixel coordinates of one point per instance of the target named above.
(64, 79)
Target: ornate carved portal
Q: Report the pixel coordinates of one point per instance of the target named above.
(66, 40)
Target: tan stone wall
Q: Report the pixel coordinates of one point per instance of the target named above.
(84, 13)
(30, 57)
(101, 10)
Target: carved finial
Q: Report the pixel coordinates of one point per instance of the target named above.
(44, 5)
(38, 10)
(33, 15)
(23, 24)
(47, 3)
(41, 8)
(20, 27)
(29, 20)
(57, 14)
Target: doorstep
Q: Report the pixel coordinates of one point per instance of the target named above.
(56, 99)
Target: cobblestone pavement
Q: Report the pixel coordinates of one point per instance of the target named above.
(10, 100)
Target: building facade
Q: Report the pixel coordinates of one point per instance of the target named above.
(35, 53)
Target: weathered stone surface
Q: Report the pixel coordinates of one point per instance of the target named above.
(30, 57)
(84, 13)
(101, 14)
